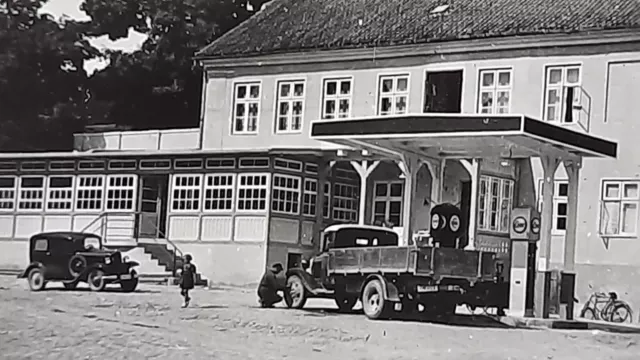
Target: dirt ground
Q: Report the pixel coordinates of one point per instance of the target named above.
(226, 324)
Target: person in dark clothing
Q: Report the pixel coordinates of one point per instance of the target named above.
(269, 287)
(187, 279)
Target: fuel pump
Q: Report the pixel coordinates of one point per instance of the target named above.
(446, 225)
(524, 235)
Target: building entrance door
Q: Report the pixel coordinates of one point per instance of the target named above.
(153, 206)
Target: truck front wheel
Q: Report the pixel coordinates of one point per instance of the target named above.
(295, 295)
(374, 303)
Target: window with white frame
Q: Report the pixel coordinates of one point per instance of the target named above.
(495, 91)
(326, 206)
(495, 201)
(310, 197)
(60, 193)
(7, 193)
(560, 204)
(31, 194)
(290, 106)
(218, 192)
(562, 94)
(252, 192)
(246, 108)
(336, 101)
(121, 191)
(387, 203)
(89, 192)
(393, 94)
(345, 202)
(186, 192)
(286, 194)
(619, 211)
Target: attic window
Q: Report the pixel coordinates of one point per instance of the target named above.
(439, 9)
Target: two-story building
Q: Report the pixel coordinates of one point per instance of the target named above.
(251, 186)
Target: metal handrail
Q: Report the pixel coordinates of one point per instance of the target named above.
(104, 218)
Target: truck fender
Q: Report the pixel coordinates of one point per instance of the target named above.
(25, 273)
(390, 291)
(305, 276)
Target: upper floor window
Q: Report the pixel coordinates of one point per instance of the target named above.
(619, 211)
(290, 106)
(246, 108)
(393, 94)
(336, 102)
(495, 201)
(495, 91)
(562, 93)
(560, 204)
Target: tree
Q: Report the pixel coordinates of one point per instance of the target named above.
(159, 85)
(43, 85)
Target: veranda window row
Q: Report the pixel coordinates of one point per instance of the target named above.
(66, 193)
(287, 194)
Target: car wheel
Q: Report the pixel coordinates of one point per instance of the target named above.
(295, 296)
(36, 279)
(77, 264)
(374, 303)
(96, 280)
(129, 285)
(70, 285)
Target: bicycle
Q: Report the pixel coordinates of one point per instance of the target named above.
(606, 307)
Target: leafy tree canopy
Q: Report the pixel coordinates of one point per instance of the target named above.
(46, 96)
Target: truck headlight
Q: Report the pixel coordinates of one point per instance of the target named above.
(107, 260)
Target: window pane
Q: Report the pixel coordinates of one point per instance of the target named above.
(285, 90)
(610, 217)
(242, 92)
(553, 97)
(298, 89)
(396, 190)
(573, 75)
(381, 190)
(555, 76)
(331, 88)
(387, 85)
(629, 218)
(487, 99)
(488, 79)
(255, 91)
(395, 207)
(345, 87)
(612, 191)
(402, 84)
(504, 78)
(401, 104)
(380, 208)
(631, 191)
(562, 209)
(563, 190)
(561, 223)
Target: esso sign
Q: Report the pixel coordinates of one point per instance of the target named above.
(435, 222)
(535, 226)
(454, 223)
(519, 225)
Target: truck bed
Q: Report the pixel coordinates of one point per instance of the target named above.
(421, 261)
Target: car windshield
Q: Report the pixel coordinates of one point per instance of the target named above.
(92, 243)
(363, 237)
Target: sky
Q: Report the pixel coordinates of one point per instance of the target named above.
(71, 8)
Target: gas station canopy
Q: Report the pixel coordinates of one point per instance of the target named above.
(462, 136)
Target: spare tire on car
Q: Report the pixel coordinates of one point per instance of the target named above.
(77, 264)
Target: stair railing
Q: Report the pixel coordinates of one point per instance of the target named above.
(103, 220)
(176, 250)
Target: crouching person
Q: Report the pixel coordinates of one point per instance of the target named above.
(269, 287)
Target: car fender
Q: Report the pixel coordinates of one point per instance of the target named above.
(390, 290)
(25, 273)
(307, 280)
(132, 263)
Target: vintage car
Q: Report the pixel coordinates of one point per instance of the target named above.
(360, 262)
(74, 257)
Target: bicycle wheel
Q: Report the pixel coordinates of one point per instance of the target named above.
(620, 313)
(588, 313)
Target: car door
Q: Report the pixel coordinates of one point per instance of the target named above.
(60, 250)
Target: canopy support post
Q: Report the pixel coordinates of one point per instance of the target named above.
(541, 299)
(409, 166)
(573, 173)
(473, 167)
(364, 170)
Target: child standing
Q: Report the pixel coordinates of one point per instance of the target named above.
(187, 279)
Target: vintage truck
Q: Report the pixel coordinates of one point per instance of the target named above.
(359, 262)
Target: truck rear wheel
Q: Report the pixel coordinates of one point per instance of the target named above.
(295, 296)
(374, 304)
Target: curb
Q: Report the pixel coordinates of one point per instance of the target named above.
(557, 324)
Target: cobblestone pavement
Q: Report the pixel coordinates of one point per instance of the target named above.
(226, 324)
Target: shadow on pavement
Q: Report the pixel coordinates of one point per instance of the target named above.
(107, 290)
(210, 307)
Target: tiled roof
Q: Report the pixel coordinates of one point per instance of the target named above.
(298, 25)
